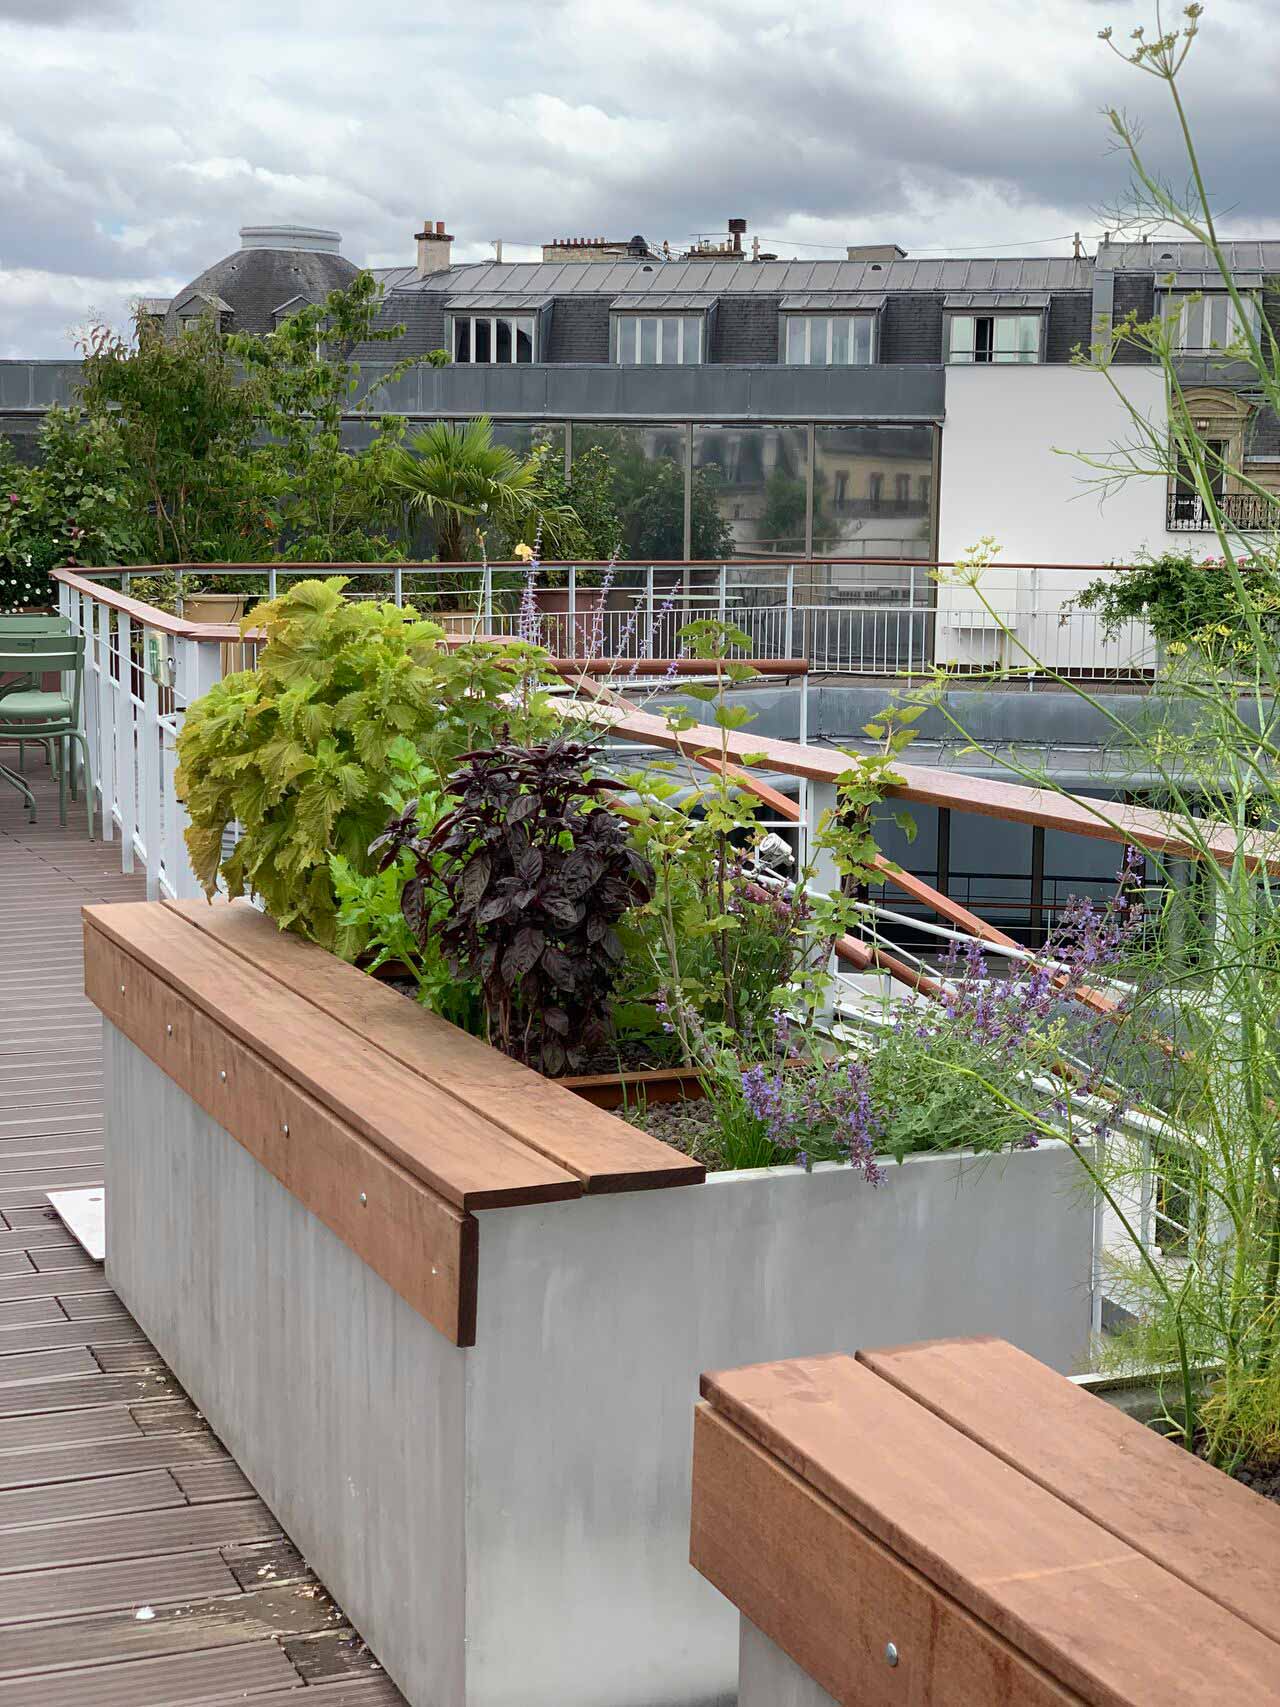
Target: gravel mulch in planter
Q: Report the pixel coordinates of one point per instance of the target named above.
(1263, 1480)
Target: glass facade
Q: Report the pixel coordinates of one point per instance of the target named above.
(871, 491)
(1211, 321)
(749, 492)
(649, 477)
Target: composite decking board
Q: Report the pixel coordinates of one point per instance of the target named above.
(1201, 1526)
(91, 1475)
(458, 1154)
(605, 1153)
(225, 1621)
(124, 1456)
(169, 1577)
(188, 1529)
(1057, 1586)
(82, 1392)
(17, 1288)
(229, 1673)
(91, 1496)
(53, 1336)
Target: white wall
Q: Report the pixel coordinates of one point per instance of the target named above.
(1008, 470)
(1002, 473)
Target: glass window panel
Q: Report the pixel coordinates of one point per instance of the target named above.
(648, 341)
(692, 338)
(502, 345)
(748, 491)
(462, 340)
(647, 480)
(840, 340)
(482, 341)
(962, 338)
(670, 341)
(863, 326)
(797, 331)
(853, 469)
(524, 339)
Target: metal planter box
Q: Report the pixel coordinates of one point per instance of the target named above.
(467, 1395)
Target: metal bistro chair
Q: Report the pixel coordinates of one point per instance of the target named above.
(18, 625)
(29, 713)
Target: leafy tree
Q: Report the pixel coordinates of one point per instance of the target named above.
(319, 502)
(303, 750)
(186, 428)
(464, 483)
(76, 506)
(596, 533)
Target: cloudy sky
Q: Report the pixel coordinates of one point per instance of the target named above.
(137, 136)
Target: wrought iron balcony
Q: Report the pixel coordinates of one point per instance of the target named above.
(1187, 512)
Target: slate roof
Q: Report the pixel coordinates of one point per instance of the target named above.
(255, 282)
(733, 278)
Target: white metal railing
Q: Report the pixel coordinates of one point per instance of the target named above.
(846, 618)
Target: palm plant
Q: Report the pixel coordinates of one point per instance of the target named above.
(464, 483)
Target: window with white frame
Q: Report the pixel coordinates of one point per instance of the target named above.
(997, 338)
(829, 340)
(663, 340)
(1210, 322)
(495, 338)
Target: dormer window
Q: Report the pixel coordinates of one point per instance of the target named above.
(1209, 321)
(1000, 328)
(660, 329)
(829, 340)
(493, 330)
(830, 328)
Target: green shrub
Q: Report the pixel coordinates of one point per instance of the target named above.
(302, 751)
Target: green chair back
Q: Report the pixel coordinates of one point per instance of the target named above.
(19, 624)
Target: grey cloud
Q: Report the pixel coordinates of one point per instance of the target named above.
(143, 159)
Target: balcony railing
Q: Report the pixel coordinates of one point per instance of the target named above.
(1188, 513)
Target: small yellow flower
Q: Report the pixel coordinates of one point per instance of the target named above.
(524, 552)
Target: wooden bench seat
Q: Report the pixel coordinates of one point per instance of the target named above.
(953, 1524)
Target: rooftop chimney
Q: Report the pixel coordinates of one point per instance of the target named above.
(737, 231)
(435, 247)
(876, 252)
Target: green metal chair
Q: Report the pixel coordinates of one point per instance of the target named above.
(30, 713)
(18, 624)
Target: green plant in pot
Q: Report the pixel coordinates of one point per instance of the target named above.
(300, 751)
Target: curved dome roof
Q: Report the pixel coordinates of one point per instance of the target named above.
(274, 265)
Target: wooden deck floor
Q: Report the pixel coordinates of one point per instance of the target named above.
(137, 1566)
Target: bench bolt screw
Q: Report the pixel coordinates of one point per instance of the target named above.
(223, 1075)
(891, 1653)
(364, 1199)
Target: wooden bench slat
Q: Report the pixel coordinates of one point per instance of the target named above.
(1062, 1590)
(1202, 1526)
(605, 1153)
(466, 1159)
(787, 1558)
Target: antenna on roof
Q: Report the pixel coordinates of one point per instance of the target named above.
(1077, 248)
(495, 244)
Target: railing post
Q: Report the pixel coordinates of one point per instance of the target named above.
(486, 596)
(646, 650)
(271, 582)
(126, 754)
(573, 611)
(197, 666)
(151, 776)
(724, 590)
(789, 638)
(82, 618)
(397, 585)
(106, 766)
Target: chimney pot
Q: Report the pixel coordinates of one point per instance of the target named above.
(435, 247)
(439, 227)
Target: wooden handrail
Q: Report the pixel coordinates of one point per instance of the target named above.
(1135, 826)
